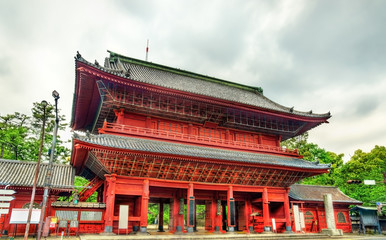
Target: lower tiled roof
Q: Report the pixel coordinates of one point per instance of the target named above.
(22, 173)
(153, 146)
(315, 193)
(79, 204)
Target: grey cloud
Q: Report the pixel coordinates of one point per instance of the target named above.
(366, 106)
(337, 37)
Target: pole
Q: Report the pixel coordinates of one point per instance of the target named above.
(47, 182)
(44, 104)
(147, 49)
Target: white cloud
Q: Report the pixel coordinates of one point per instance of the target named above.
(319, 55)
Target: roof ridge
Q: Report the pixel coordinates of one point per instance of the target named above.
(121, 57)
(326, 186)
(30, 162)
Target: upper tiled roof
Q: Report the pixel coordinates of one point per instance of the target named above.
(22, 173)
(176, 149)
(315, 193)
(173, 78)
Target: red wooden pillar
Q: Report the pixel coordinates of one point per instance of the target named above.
(267, 227)
(248, 212)
(137, 212)
(110, 202)
(287, 212)
(231, 210)
(144, 207)
(161, 217)
(190, 218)
(178, 214)
(217, 211)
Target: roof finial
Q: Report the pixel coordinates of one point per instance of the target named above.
(147, 49)
(78, 56)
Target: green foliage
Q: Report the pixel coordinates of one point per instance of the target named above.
(80, 183)
(362, 166)
(365, 166)
(20, 135)
(312, 152)
(153, 210)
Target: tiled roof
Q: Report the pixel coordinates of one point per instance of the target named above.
(172, 78)
(315, 193)
(79, 205)
(22, 173)
(176, 149)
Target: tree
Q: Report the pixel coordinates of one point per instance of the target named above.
(13, 132)
(20, 135)
(312, 152)
(365, 166)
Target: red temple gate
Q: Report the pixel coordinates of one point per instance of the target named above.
(155, 134)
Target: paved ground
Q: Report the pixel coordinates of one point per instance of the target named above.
(207, 236)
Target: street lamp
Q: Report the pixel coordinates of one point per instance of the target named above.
(44, 105)
(47, 183)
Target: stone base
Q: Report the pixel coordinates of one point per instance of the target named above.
(288, 229)
(332, 232)
(231, 230)
(143, 231)
(107, 234)
(190, 229)
(108, 231)
(267, 230)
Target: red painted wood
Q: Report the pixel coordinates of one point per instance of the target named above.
(266, 215)
(144, 203)
(286, 209)
(110, 200)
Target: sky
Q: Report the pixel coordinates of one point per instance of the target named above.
(324, 56)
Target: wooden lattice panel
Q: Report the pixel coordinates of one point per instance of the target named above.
(157, 167)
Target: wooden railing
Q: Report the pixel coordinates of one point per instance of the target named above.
(175, 136)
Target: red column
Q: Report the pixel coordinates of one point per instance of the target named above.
(267, 227)
(231, 210)
(144, 206)
(190, 218)
(179, 212)
(110, 202)
(216, 214)
(247, 212)
(287, 212)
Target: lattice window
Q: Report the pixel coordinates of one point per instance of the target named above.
(66, 215)
(244, 137)
(309, 217)
(209, 132)
(341, 217)
(90, 216)
(170, 127)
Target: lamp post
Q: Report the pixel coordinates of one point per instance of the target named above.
(47, 183)
(44, 105)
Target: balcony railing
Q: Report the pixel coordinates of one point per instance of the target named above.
(175, 136)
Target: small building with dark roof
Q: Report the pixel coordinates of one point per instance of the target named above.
(19, 176)
(309, 199)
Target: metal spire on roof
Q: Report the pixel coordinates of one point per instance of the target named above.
(147, 49)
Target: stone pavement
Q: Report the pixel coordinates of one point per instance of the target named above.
(206, 236)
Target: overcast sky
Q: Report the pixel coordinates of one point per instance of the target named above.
(314, 55)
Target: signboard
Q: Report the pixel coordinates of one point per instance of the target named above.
(20, 215)
(369, 182)
(6, 198)
(7, 192)
(4, 211)
(123, 216)
(5, 205)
